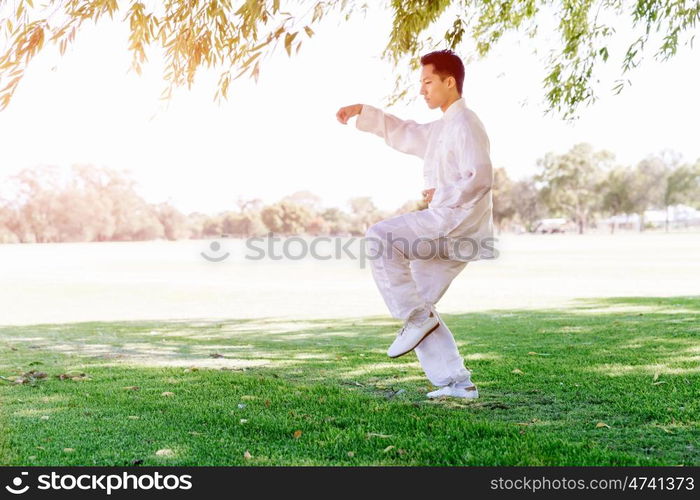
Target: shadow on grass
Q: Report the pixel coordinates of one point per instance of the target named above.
(607, 381)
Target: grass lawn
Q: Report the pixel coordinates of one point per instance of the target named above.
(611, 381)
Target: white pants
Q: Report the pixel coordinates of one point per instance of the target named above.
(410, 273)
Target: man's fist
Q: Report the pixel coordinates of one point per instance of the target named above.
(428, 195)
(347, 112)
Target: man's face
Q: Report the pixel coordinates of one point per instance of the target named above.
(433, 89)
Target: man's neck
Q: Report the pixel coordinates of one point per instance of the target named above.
(449, 102)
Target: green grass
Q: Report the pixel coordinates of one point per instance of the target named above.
(630, 363)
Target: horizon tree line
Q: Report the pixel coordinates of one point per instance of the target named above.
(46, 204)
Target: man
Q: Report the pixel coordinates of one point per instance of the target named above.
(458, 177)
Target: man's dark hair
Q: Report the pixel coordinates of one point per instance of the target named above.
(446, 63)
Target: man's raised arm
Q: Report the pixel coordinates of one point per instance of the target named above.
(406, 136)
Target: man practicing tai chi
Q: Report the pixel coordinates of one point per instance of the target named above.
(412, 274)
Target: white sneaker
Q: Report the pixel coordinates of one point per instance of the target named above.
(456, 391)
(412, 334)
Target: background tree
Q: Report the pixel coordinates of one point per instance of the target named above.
(195, 224)
(305, 198)
(9, 224)
(317, 225)
(234, 37)
(35, 201)
(503, 207)
(648, 186)
(213, 226)
(338, 222)
(571, 182)
(527, 202)
(681, 186)
(96, 184)
(286, 217)
(694, 195)
(50, 204)
(364, 214)
(174, 223)
(134, 218)
(243, 225)
(617, 196)
(247, 206)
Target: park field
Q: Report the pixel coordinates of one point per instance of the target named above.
(584, 349)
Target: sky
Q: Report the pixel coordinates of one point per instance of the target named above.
(281, 135)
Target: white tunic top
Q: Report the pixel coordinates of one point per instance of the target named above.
(455, 150)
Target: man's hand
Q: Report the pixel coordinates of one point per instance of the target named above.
(428, 195)
(347, 112)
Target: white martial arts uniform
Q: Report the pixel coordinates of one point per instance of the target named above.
(458, 220)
